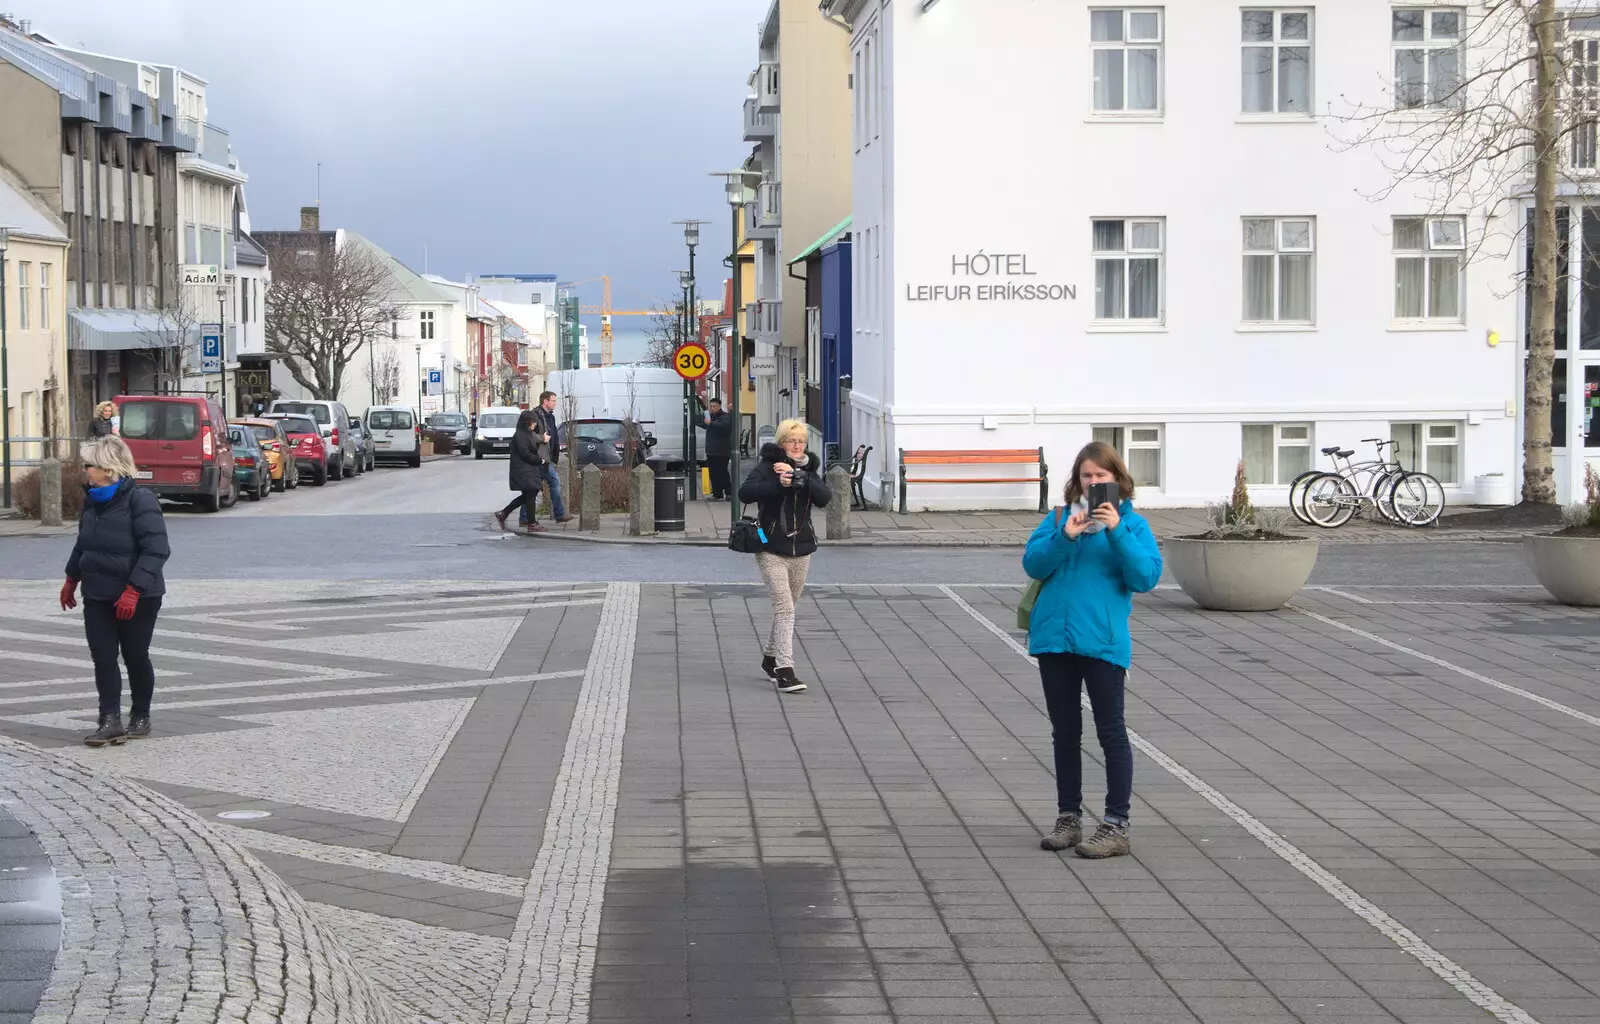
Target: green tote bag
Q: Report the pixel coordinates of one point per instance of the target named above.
(1030, 595)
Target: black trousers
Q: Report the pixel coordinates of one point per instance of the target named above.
(526, 500)
(107, 636)
(721, 485)
(1065, 677)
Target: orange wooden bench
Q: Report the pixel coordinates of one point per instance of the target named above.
(977, 457)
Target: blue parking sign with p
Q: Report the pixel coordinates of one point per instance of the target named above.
(211, 352)
(435, 376)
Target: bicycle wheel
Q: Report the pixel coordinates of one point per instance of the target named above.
(1297, 493)
(1418, 499)
(1326, 501)
(1383, 496)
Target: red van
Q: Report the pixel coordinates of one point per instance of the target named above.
(180, 444)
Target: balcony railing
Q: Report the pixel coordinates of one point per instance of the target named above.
(767, 86)
(769, 205)
(215, 148)
(758, 126)
(764, 320)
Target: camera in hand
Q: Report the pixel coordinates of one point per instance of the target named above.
(1101, 494)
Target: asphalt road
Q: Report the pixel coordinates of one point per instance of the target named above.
(434, 523)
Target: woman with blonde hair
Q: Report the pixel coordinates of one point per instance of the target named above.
(104, 423)
(119, 557)
(1091, 561)
(784, 486)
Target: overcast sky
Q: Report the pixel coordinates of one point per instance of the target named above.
(533, 136)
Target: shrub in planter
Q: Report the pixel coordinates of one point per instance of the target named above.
(1567, 562)
(1244, 562)
(25, 492)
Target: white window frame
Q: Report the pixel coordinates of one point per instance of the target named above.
(1278, 252)
(1123, 440)
(1279, 443)
(1158, 44)
(24, 269)
(858, 87)
(1276, 44)
(45, 271)
(1581, 50)
(1127, 254)
(1436, 247)
(1425, 45)
(1420, 461)
(425, 324)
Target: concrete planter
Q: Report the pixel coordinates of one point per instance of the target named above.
(1568, 567)
(1240, 575)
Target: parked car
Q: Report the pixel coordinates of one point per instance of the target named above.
(451, 428)
(364, 446)
(310, 448)
(250, 465)
(603, 442)
(332, 420)
(275, 443)
(495, 427)
(396, 434)
(180, 446)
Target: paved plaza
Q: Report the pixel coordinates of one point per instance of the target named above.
(472, 802)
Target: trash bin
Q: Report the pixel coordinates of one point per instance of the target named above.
(671, 485)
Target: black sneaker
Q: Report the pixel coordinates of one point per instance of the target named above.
(769, 665)
(110, 731)
(1067, 833)
(787, 683)
(138, 727)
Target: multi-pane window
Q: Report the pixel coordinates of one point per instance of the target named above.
(1427, 55)
(1583, 60)
(25, 271)
(425, 324)
(1275, 61)
(1428, 260)
(1279, 269)
(1433, 448)
(1140, 447)
(1276, 453)
(1126, 47)
(1127, 270)
(46, 271)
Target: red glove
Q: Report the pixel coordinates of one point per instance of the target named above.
(68, 589)
(127, 603)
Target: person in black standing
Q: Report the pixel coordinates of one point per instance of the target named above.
(104, 423)
(719, 447)
(546, 412)
(121, 551)
(530, 454)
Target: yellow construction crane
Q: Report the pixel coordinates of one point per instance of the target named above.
(606, 313)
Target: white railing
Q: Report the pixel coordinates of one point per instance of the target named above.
(769, 204)
(757, 125)
(767, 93)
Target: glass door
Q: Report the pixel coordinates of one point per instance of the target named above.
(1589, 420)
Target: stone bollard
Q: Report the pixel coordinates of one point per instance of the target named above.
(589, 499)
(50, 492)
(641, 502)
(838, 503)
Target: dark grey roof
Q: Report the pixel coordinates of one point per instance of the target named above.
(249, 251)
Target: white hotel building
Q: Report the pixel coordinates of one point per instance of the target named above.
(1212, 277)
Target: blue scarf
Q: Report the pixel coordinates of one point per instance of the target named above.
(104, 494)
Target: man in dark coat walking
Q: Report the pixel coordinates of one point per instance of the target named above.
(546, 413)
(719, 447)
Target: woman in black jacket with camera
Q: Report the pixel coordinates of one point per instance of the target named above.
(784, 486)
(119, 557)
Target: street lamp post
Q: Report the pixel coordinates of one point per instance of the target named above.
(5, 383)
(222, 343)
(688, 387)
(419, 380)
(691, 238)
(739, 191)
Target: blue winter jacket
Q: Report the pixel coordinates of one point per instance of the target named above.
(1089, 584)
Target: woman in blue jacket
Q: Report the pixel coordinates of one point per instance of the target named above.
(1092, 562)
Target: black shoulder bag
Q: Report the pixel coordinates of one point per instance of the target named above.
(745, 537)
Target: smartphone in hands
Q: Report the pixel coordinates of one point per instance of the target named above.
(1101, 494)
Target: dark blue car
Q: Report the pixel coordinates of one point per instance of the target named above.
(252, 473)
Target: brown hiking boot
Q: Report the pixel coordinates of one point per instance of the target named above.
(1108, 841)
(533, 528)
(566, 519)
(1067, 833)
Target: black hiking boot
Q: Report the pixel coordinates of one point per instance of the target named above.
(787, 683)
(110, 731)
(769, 665)
(138, 727)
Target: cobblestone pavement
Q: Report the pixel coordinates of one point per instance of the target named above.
(581, 802)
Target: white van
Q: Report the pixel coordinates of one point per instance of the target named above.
(496, 424)
(604, 393)
(396, 434)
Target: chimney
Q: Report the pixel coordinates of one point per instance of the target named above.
(310, 218)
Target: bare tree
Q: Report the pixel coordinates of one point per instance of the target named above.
(384, 373)
(177, 330)
(663, 334)
(323, 304)
(1507, 115)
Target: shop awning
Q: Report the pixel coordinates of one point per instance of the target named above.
(114, 330)
(822, 243)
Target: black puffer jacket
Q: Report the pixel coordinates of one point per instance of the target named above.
(121, 543)
(785, 512)
(528, 458)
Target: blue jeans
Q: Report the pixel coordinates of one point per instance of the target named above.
(557, 506)
(1064, 676)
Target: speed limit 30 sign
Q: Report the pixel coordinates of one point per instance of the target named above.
(692, 361)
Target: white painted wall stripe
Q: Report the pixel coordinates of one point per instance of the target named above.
(1451, 972)
(1467, 672)
(425, 870)
(550, 961)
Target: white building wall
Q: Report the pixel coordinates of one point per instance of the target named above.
(1016, 373)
